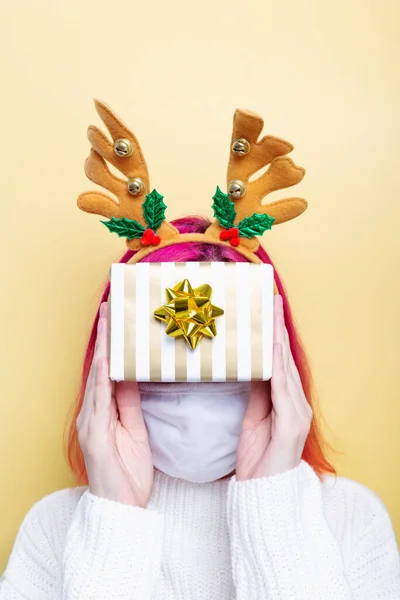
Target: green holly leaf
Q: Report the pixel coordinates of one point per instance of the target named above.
(125, 227)
(224, 209)
(255, 225)
(154, 210)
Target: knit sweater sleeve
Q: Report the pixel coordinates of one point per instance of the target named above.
(108, 550)
(283, 548)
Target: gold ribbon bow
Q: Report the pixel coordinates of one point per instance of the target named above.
(189, 312)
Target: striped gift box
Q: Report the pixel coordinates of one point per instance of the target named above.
(139, 348)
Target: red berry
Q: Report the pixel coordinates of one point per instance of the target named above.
(224, 235)
(235, 241)
(150, 238)
(148, 234)
(145, 240)
(234, 232)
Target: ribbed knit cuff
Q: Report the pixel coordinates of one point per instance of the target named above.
(272, 500)
(280, 543)
(113, 550)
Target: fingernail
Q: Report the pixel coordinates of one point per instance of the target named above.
(101, 324)
(103, 311)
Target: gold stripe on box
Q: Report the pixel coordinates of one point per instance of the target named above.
(180, 345)
(156, 327)
(231, 327)
(206, 344)
(206, 359)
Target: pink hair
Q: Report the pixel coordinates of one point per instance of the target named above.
(315, 447)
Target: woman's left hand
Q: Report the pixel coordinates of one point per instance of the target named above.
(278, 418)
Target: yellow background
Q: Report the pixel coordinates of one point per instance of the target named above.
(323, 74)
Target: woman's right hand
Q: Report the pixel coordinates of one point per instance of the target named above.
(112, 432)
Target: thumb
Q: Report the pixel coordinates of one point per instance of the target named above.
(259, 403)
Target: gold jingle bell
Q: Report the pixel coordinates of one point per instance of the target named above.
(135, 186)
(236, 189)
(240, 146)
(123, 147)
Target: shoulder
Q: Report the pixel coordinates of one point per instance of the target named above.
(50, 516)
(59, 505)
(349, 492)
(41, 536)
(351, 505)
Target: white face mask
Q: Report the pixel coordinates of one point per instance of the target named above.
(194, 428)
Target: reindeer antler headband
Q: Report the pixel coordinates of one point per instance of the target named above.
(240, 215)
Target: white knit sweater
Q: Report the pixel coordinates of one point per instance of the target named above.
(281, 537)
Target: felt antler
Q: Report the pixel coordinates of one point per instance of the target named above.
(240, 214)
(248, 155)
(131, 215)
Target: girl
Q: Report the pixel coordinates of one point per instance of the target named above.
(281, 526)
